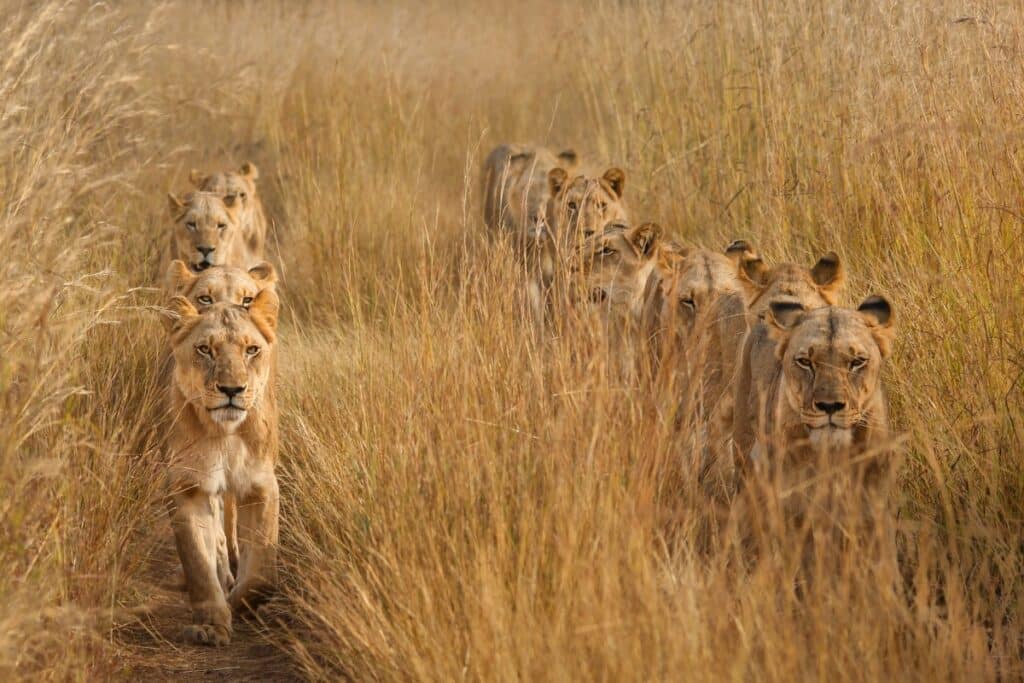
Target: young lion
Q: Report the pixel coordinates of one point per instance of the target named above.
(221, 284)
(223, 440)
(581, 205)
(208, 231)
(225, 284)
(811, 289)
(826, 399)
(240, 184)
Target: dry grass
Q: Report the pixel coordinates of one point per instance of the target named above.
(462, 501)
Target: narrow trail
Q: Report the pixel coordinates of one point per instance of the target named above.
(151, 649)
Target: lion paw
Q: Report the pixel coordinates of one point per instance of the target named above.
(207, 634)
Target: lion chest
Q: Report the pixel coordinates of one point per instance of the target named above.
(218, 464)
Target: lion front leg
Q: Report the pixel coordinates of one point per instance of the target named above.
(231, 530)
(199, 536)
(257, 533)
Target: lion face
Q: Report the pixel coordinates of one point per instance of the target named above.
(240, 184)
(223, 358)
(221, 284)
(206, 228)
(581, 206)
(697, 279)
(611, 264)
(831, 363)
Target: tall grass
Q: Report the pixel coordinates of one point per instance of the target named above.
(462, 500)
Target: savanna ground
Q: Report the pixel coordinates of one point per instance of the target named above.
(460, 500)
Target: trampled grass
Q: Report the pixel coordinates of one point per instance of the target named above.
(462, 500)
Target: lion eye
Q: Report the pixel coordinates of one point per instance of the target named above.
(858, 363)
(602, 206)
(242, 195)
(205, 300)
(805, 363)
(246, 300)
(222, 226)
(588, 233)
(252, 350)
(688, 303)
(203, 350)
(607, 251)
(191, 225)
(573, 206)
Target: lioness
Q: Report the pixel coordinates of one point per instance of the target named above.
(225, 284)
(515, 187)
(515, 194)
(221, 284)
(694, 318)
(580, 205)
(240, 184)
(223, 440)
(208, 231)
(826, 398)
(811, 289)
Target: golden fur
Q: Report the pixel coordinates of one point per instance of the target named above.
(208, 232)
(515, 186)
(221, 284)
(515, 195)
(808, 288)
(240, 184)
(826, 398)
(223, 440)
(580, 205)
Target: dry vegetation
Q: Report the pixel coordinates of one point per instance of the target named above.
(461, 501)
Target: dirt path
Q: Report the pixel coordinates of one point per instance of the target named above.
(152, 649)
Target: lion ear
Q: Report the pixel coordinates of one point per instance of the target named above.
(556, 180)
(644, 237)
(828, 274)
(780, 319)
(180, 276)
(249, 170)
(196, 177)
(753, 273)
(616, 179)
(263, 311)
(263, 272)
(877, 313)
(738, 250)
(180, 315)
(175, 205)
(568, 159)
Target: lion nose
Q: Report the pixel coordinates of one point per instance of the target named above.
(830, 407)
(230, 392)
(205, 251)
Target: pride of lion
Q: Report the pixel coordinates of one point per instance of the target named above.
(763, 356)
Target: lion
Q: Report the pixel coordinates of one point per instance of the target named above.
(580, 205)
(694, 317)
(612, 267)
(240, 184)
(826, 397)
(221, 284)
(223, 440)
(515, 187)
(208, 231)
(810, 289)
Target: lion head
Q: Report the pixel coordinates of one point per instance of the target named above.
(694, 281)
(221, 284)
(580, 206)
(240, 184)
(819, 286)
(613, 264)
(831, 358)
(207, 228)
(223, 359)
